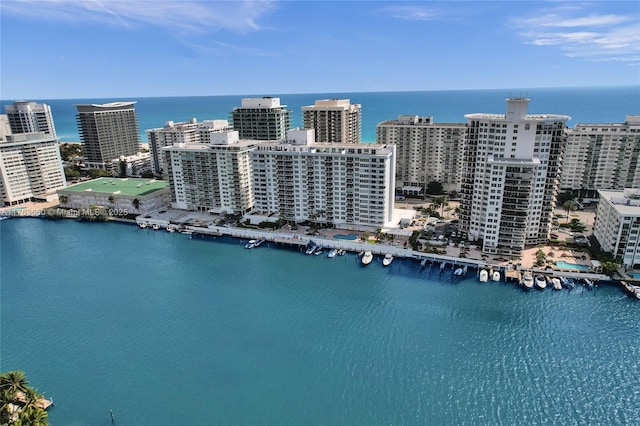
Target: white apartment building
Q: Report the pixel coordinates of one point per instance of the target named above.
(30, 168)
(261, 119)
(342, 184)
(602, 156)
(132, 165)
(334, 120)
(186, 132)
(30, 117)
(5, 129)
(510, 177)
(617, 225)
(425, 151)
(213, 177)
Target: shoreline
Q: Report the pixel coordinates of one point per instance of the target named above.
(509, 273)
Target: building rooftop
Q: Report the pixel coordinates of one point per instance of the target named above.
(127, 186)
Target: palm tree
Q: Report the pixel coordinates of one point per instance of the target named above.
(112, 199)
(63, 199)
(440, 202)
(13, 381)
(569, 206)
(135, 203)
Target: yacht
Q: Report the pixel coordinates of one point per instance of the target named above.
(251, 244)
(155, 227)
(527, 280)
(495, 276)
(484, 276)
(458, 272)
(367, 257)
(311, 248)
(342, 252)
(541, 283)
(260, 241)
(143, 225)
(332, 253)
(388, 258)
(557, 285)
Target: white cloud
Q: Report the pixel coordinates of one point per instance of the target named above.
(190, 16)
(412, 13)
(596, 37)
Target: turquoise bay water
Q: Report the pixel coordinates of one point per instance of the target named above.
(566, 265)
(164, 330)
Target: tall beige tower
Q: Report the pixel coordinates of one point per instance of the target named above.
(334, 120)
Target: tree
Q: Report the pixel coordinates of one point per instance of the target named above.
(440, 202)
(13, 381)
(71, 173)
(568, 207)
(112, 199)
(96, 173)
(63, 199)
(434, 188)
(135, 203)
(123, 169)
(147, 175)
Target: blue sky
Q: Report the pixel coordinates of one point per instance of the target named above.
(89, 49)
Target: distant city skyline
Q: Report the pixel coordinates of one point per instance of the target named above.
(92, 49)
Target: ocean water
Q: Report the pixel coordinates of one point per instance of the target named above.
(164, 330)
(583, 105)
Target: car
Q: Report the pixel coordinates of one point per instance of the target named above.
(554, 236)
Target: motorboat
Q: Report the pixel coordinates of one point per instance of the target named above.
(388, 258)
(557, 285)
(318, 251)
(260, 241)
(342, 252)
(495, 276)
(541, 283)
(171, 229)
(311, 248)
(568, 283)
(155, 227)
(251, 244)
(458, 272)
(588, 283)
(484, 276)
(423, 263)
(527, 280)
(367, 257)
(332, 253)
(143, 225)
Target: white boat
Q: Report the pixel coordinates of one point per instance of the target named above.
(143, 225)
(318, 251)
(484, 276)
(541, 283)
(423, 263)
(458, 272)
(251, 244)
(311, 249)
(495, 276)
(527, 280)
(155, 227)
(332, 254)
(557, 285)
(388, 258)
(638, 293)
(260, 241)
(342, 252)
(171, 229)
(367, 257)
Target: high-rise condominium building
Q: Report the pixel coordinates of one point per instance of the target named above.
(5, 129)
(30, 168)
(108, 131)
(334, 120)
(29, 117)
(617, 225)
(425, 151)
(325, 182)
(602, 156)
(187, 132)
(510, 177)
(261, 119)
(214, 176)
